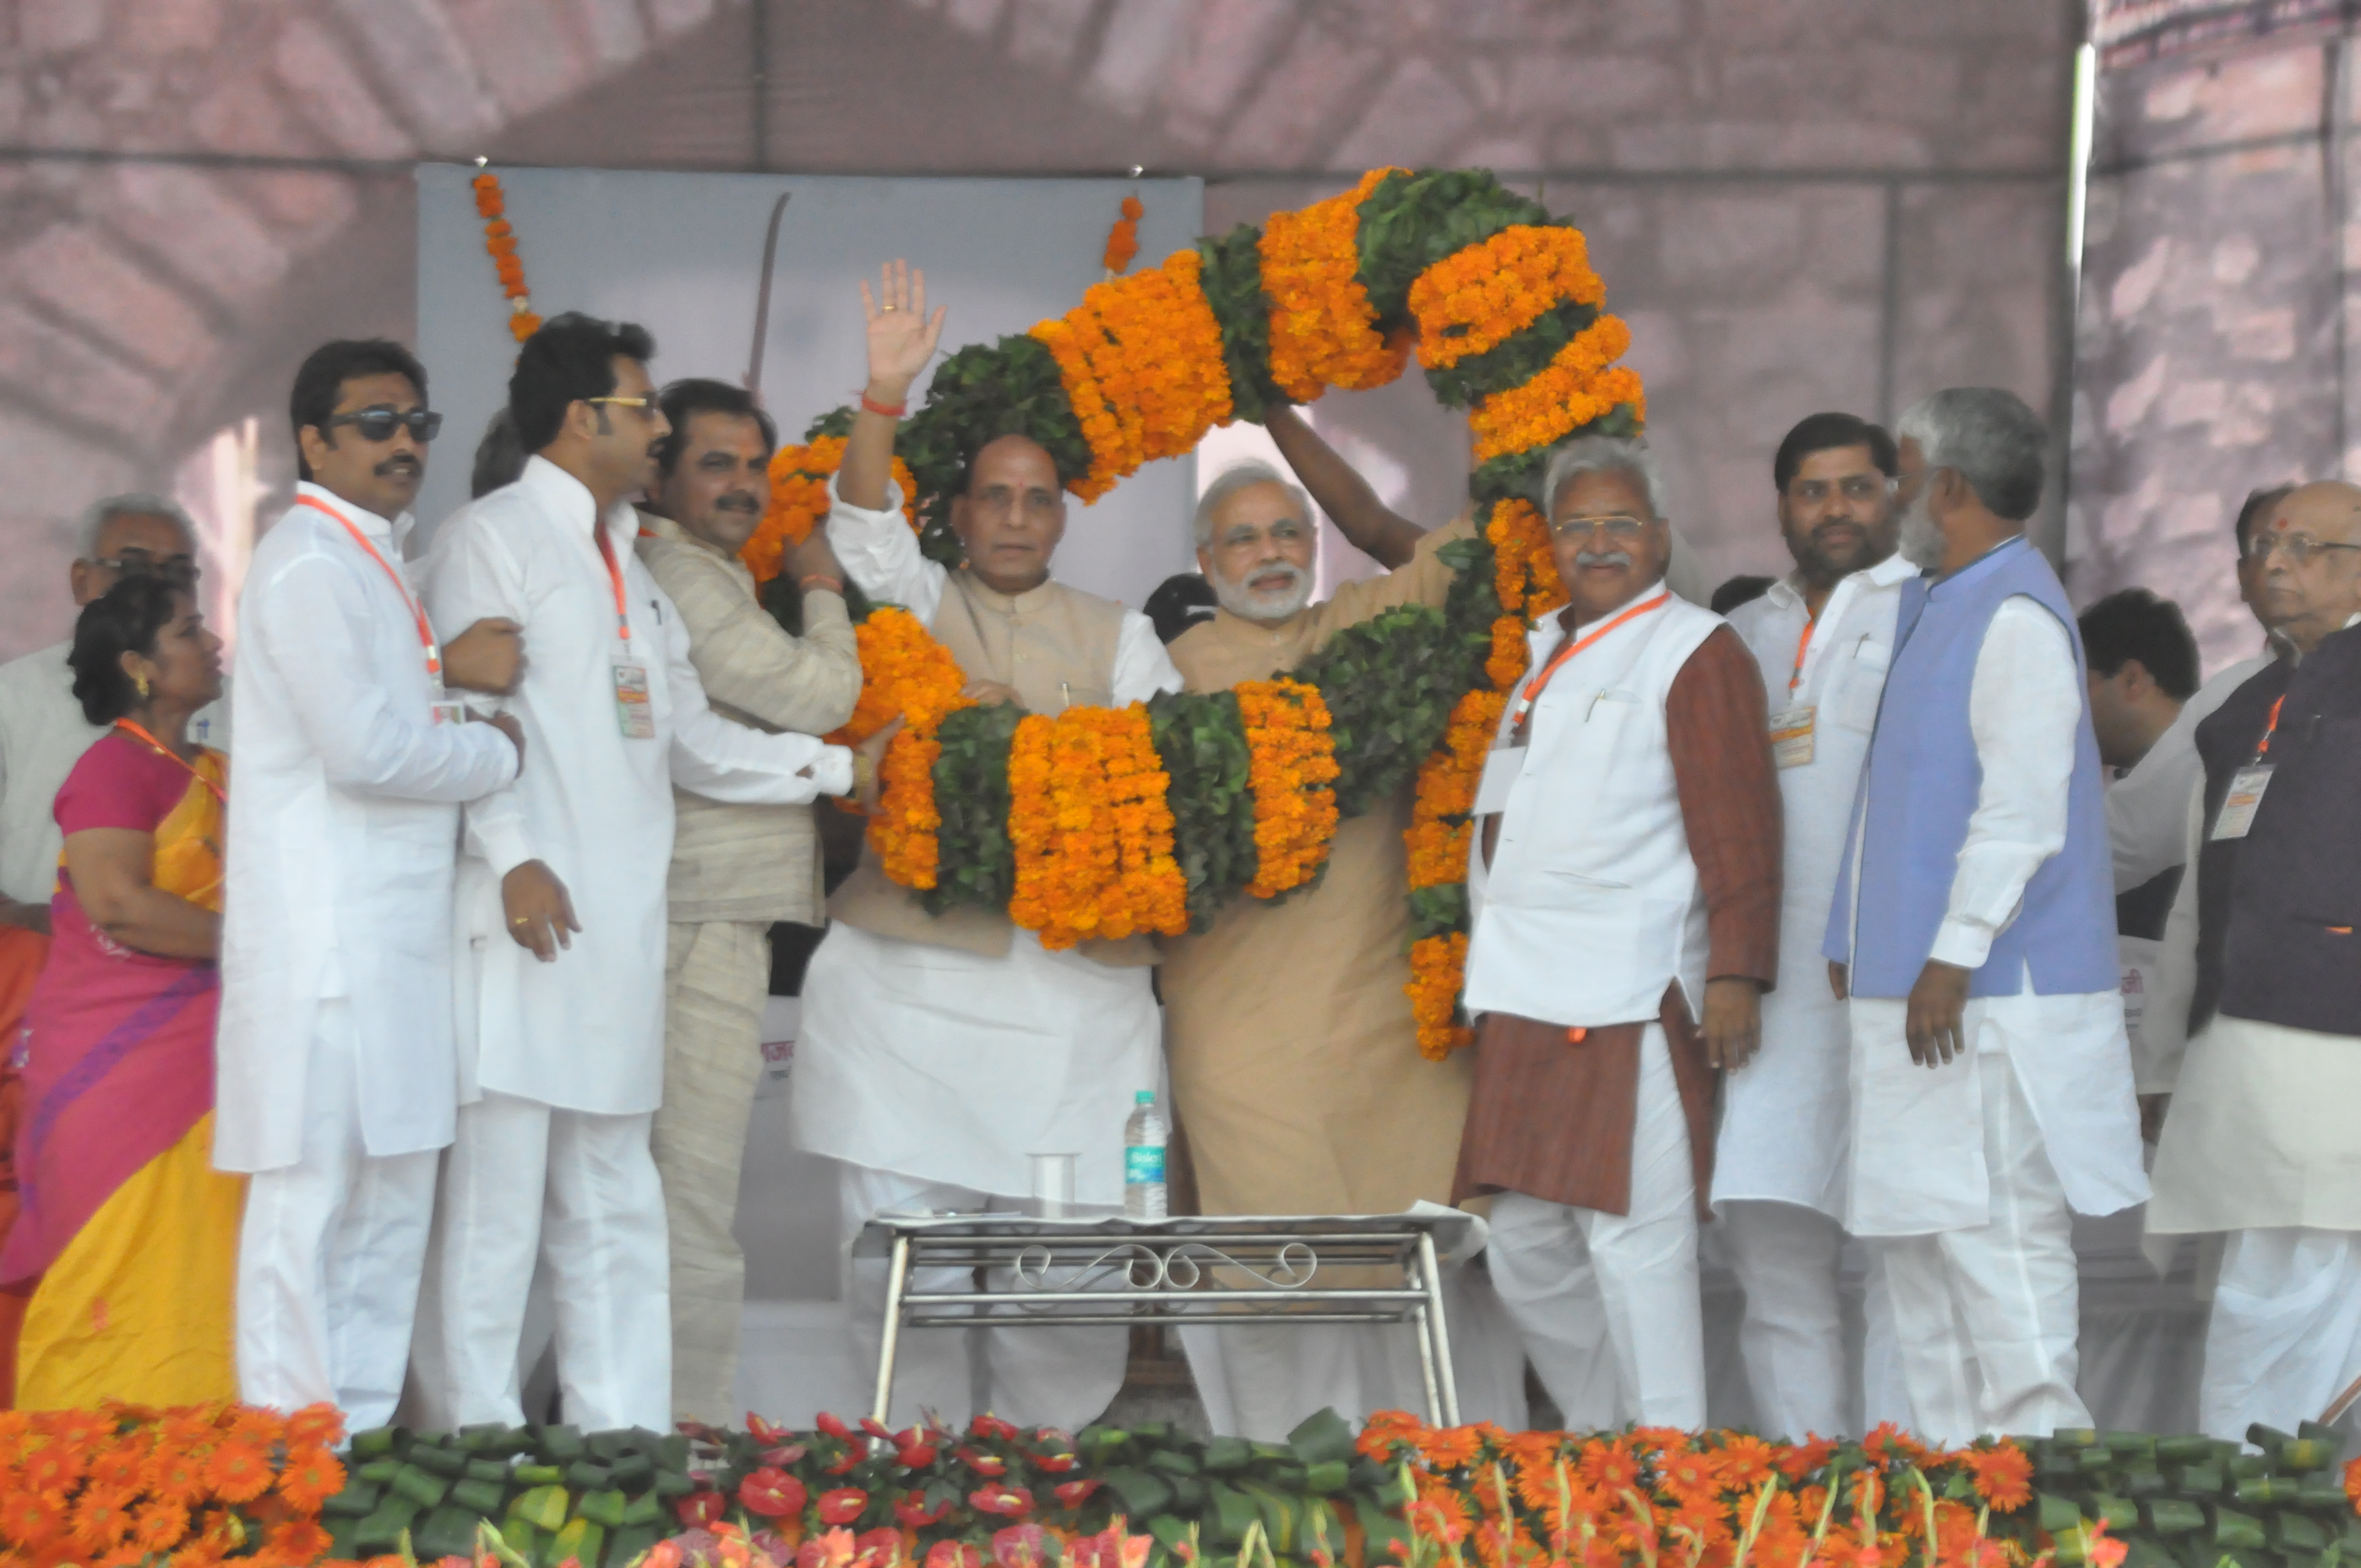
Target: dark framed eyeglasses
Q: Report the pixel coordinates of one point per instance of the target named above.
(2297, 547)
(378, 425)
(182, 570)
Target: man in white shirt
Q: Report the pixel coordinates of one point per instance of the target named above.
(1822, 637)
(336, 1058)
(561, 900)
(1974, 933)
(938, 1052)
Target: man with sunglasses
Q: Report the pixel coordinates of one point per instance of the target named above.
(562, 901)
(336, 1052)
(2262, 960)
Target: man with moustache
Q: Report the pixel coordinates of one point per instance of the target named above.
(736, 869)
(1973, 932)
(562, 899)
(338, 1062)
(939, 1050)
(1822, 638)
(2260, 1142)
(1296, 1071)
(1625, 896)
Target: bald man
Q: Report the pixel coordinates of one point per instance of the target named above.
(2263, 961)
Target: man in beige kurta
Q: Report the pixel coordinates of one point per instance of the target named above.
(735, 869)
(1295, 1065)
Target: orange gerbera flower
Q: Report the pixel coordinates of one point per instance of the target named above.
(238, 1472)
(175, 1475)
(300, 1541)
(158, 1526)
(1609, 1466)
(1383, 1431)
(1691, 1475)
(320, 1424)
(264, 1428)
(1745, 1461)
(30, 1519)
(79, 1429)
(2003, 1475)
(1805, 1457)
(102, 1518)
(119, 1465)
(310, 1477)
(54, 1467)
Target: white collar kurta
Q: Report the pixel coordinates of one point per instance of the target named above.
(344, 808)
(586, 1033)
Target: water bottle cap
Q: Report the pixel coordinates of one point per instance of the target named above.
(1145, 1097)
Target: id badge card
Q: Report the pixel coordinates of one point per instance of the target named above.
(1500, 770)
(2247, 786)
(1790, 736)
(632, 709)
(444, 709)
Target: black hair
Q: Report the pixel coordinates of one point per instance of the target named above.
(124, 620)
(500, 457)
(2258, 506)
(701, 395)
(1826, 433)
(570, 359)
(1179, 603)
(1739, 590)
(320, 381)
(2136, 624)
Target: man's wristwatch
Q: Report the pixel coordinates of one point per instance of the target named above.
(864, 774)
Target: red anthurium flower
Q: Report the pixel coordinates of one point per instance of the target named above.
(767, 1433)
(884, 1542)
(1056, 1464)
(876, 1428)
(783, 1457)
(917, 1457)
(842, 1506)
(953, 1555)
(983, 1463)
(701, 1511)
(1011, 1502)
(990, 1426)
(1021, 1546)
(844, 1466)
(1071, 1493)
(912, 1511)
(771, 1493)
(831, 1426)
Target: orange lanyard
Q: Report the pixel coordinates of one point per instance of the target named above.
(2271, 728)
(614, 576)
(128, 725)
(1802, 643)
(1533, 687)
(408, 601)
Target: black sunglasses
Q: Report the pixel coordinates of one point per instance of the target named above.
(378, 425)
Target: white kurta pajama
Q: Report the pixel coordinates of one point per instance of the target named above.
(562, 1064)
(1779, 1152)
(934, 1071)
(338, 1066)
(1970, 1168)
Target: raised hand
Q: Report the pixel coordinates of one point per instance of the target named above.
(902, 337)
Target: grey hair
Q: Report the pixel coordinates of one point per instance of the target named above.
(1604, 454)
(1995, 443)
(134, 503)
(1229, 482)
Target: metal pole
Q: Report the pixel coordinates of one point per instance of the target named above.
(1439, 1327)
(897, 1275)
(1419, 1317)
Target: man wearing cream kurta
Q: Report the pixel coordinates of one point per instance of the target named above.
(736, 869)
(1296, 1071)
(2260, 962)
(937, 1053)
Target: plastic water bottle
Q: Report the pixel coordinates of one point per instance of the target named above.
(1144, 1137)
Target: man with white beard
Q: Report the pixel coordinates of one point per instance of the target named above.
(1294, 1056)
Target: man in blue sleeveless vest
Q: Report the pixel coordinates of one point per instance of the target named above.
(2261, 1140)
(1973, 930)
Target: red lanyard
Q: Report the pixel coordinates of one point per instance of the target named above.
(614, 576)
(410, 602)
(1802, 643)
(2271, 728)
(219, 794)
(1533, 687)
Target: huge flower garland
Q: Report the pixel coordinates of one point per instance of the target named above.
(1071, 827)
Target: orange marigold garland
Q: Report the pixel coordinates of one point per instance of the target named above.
(1324, 332)
(799, 477)
(1123, 240)
(903, 670)
(1091, 829)
(1478, 298)
(1577, 388)
(1290, 761)
(499, 241)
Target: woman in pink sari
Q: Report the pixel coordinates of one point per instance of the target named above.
(133, 1235)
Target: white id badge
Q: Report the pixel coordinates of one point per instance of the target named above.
(1790, 736)
(445, 709)
(632, 710)
(2247, 786)
(1500, 770)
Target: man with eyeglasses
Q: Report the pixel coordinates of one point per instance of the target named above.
(1973, 932)
(561, 901)
(1822, 638)
(337, 1055)
(939, 1051)
(2262, 959)
(1624, 892)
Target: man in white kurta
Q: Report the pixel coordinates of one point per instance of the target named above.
(338, 1071)
(1992, 1092)
(935, 1057)
(562, 1058)
(1822, 638)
